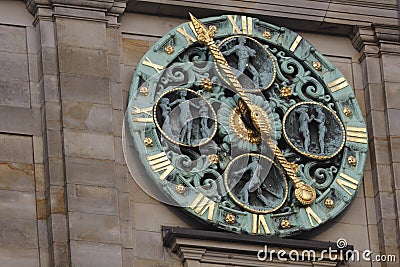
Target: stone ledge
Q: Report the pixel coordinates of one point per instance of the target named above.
(223, 248)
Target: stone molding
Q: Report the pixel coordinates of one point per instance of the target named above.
(107, 11)
(331, 17)
(195, 247)
(376, 39)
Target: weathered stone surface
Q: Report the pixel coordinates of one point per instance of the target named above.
(386, 206)
(83, 88)
(391, 65)
(93, 199)
(17, 257)
(17, 176)
(95, 254)
(14, 66)
(83, 61)
(16, 148)
(159, 215)
(153, 263)
(50, 61)
(18, 233)
(148, 245)
(356, 235)
(94, 227)
(87, 116)
(14, 93)
(28, 121)
(355, 214)
(60, 229)
(57, 196)
(393, 121)
(90, 171)
(80, 33)
(133, 50)
(15, 204)
(88, 144)
(12, 39)
(392, 91)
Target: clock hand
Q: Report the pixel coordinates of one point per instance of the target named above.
(304, 193)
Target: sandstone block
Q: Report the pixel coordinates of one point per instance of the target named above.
(16, 148)
(87, 116)
(17, 257)
(83, 88)
(94, 227)
(17, 176)
(88, 144)
(12, 39)
(93, 199)
(18, 233)
(81, 33)
(90, 254)
(89, 171)
(15, 204)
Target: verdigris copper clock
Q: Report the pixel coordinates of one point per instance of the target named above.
(246, 126)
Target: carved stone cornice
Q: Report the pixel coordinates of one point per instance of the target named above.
(364, 40)
(241, 250)
(376, 39)
(107, 11)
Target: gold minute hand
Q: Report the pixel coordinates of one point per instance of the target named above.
(304, 193)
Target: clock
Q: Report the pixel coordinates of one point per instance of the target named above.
(245, 126)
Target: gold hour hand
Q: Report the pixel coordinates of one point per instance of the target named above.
(304, 193)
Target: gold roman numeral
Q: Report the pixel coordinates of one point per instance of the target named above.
(295, 43)
(189, 39)
(160, 162)
(259, 223)
(147, 62)
(145, 111)
(337, 84)
(347, 182)
(201, 204)
(312, 216)
(357, 134)
(246, 23)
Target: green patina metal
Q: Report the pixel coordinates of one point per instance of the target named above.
(332, 164)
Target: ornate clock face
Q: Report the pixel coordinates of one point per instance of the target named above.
(245, 126)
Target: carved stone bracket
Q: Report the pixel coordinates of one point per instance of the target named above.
(197, 247)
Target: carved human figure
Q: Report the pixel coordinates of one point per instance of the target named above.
(320, 119)
(244, 53)
(185, 116)
(165, 108)
(304, 121)
(203, 113)
(255, 182)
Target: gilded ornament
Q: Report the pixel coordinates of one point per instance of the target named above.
(169, 49)
(294, 166)
(266, 34)
(241, 130)
(206, 84)
(212, 30)
(285, 224)
(148, 141)
(329, 203)
(347, 111)
(144, 90)
(317, 65)
(352, 161)
(180, 188)
(230, 218)
(286, 91)
(213, 158)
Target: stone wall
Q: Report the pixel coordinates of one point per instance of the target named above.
(66, 195)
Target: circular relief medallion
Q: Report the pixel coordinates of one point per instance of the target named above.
(185, 118)
(313, 130)
(255, 64)
(256, 183)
